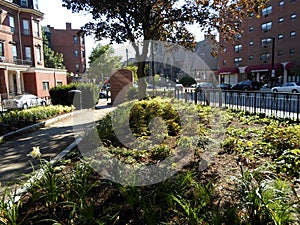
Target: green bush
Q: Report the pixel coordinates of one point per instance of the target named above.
(90, 93)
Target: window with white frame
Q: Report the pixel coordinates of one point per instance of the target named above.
(267, 11)
(14, 52)
(28, 53)
(12, 23)
(237, 48)
(39, 54)
(1, 48)
(46, 85)
(265, 56)
(26, 29)
(266, 41)
(36, 28)
(266, 26)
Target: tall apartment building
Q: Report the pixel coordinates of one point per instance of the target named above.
(21, 51)
(268, 50)
(71, 43)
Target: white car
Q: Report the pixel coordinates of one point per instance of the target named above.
(293, 87)
(23, 102)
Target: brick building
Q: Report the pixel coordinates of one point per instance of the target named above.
(21, 51)
(71, 43)
(268, 50)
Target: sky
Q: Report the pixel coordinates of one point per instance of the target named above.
(57, 16)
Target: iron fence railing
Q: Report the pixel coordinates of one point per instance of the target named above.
(282, 105)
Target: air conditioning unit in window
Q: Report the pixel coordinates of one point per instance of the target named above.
(2, 58)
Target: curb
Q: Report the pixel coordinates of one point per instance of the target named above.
(23, 189)
(37, 126)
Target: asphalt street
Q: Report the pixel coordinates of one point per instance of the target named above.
(51, 139)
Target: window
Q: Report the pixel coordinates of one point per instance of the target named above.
(75, 39)
(293, 34)
(26, 30)
(224, 62)
(36, 29)
(77, 67)
(12, 23)
(250, 57)
(45, 85)
(76, 53)
(279, 53)
(238, 59)
(39, 54)
(281, 3)
(292, 51)
(83, 54)
(59, 83)
(36, 5)
(28, 53)
(1, 48)
(82, 40)
(14, 52)
(24, 3)
(251, 14)
(280, 36)
(280, 20)
(250, 43)
(267, 11)
(251, 29)
(237, 48)
(266, 26)
(265, 57)
(293, 16)
(266, 41)
(293, 0)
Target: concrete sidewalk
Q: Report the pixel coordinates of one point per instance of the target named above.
(52, 139)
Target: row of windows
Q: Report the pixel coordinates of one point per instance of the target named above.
(26, 26)
(76, 54)
(264, 42)
(46, 85)
(75, 40)
(28, 51)
(268, 25)
(263, 57)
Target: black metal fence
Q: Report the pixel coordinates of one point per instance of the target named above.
(282, 105)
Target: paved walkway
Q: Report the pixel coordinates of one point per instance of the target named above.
(52, 139)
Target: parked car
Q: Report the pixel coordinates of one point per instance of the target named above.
(293, 87)
(204, 85)
(246, 85)
(23, 102)
(224, 86)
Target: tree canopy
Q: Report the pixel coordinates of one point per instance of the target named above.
(52, 59)
(102, 62)
(139, 21)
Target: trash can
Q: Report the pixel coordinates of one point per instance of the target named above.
(75, 98)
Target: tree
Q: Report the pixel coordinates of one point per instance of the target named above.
(102, 62)
(51, 59)
(140, 21)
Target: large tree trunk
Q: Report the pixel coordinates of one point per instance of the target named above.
(141, 80)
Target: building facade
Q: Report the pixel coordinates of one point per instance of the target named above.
(71, 43)
(268, 49)
(21, 51)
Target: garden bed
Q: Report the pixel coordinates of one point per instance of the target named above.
(244, 170)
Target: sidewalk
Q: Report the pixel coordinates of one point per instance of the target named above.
(52, 139)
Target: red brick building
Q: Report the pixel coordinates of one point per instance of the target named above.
(21, 51)
(268, 49)
(71, 43)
